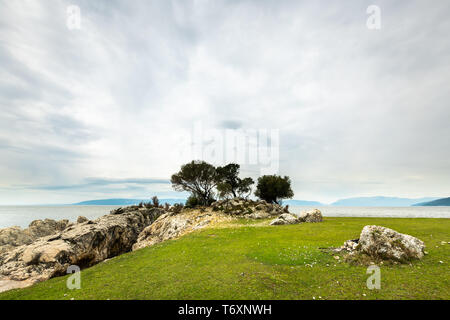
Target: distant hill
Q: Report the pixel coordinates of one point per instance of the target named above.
(438, 202)
(302, 203)
(379, 202)
(125, 202)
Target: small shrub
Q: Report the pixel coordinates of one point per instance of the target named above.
(192, 202)
(155, 202)
(177, 207)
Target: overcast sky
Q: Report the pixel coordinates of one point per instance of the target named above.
(110, 109)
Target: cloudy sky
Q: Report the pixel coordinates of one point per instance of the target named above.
(110, 109)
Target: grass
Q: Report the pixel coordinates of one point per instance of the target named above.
(245, 261)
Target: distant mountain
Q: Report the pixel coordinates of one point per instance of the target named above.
(302, 203)
(125, 202)
(438, 202)
(379, 202)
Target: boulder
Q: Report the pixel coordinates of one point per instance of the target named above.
(285, 218)
(311, 216)
(387, 244)
(83, 244)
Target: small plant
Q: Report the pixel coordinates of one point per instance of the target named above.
(177, 207)
(155, 201)
(192, 202)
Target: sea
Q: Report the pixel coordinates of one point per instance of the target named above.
(22, 215)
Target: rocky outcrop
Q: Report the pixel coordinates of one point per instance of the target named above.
(15, 236)
(172, 225)
(53, 248)
(311, 216)
(307, 216)
(175, 224)
(382, 243)
(285, 218)
(83, 244)
(248, 208)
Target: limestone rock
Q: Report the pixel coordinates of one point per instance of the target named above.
(350, 245)
(248, 208)
(311, 216)
(83, 244)
(388, 244)
(285, 218)
(15, 236)
(382, 243)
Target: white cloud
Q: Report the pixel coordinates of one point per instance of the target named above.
(360, 112)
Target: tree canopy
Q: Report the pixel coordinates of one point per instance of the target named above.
(197, 177)
(230, 183)
(202, 180)
(273, 188)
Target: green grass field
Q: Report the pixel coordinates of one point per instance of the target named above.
(245, 261)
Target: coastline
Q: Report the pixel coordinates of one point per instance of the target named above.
(227, 258)
(22, 216)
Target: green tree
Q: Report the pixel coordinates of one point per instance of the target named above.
(273, 188)
(230, 184)
(199, 178)
(244, 187)
(229, 175)
(224, 190)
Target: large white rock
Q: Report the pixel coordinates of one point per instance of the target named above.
(285, 218)
(388, 244)
(311, 216)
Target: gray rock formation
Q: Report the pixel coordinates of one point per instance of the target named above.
(83, 244)
(248, 208)
(350, 245)
(15, 236)
(285, 218)
(383, 243)
(388, 244)
(289, 218)
(311, 216)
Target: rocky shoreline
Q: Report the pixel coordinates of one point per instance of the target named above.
(47, 248)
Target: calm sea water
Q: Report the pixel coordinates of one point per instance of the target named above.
(23, 215)
(394, 212)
